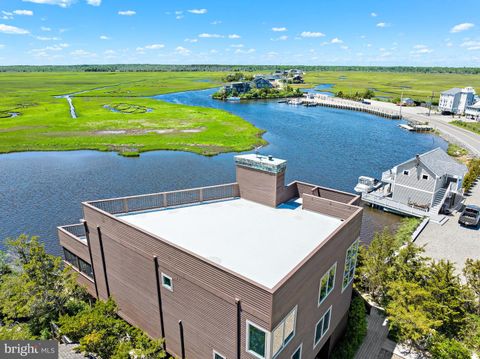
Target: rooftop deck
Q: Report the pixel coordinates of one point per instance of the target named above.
(258, 242)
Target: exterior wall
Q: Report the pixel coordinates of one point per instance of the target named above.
(80, 248)
(449, 103)
(260, 186)
(412, 187)
(203, 295)
(302, 290)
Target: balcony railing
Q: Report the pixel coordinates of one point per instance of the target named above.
(167, 199)
(77, 230)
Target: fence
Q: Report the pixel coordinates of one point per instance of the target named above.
(167, 199)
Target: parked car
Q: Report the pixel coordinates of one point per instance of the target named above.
(470, 216)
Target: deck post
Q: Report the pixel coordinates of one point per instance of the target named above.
(159, 299)
(103, 261)
(182, 340)
(87, 235)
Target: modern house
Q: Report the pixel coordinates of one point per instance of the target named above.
(421, 186)
(473, 111)
(238, 87)
(456, 100)
(261, 83)
(254, 269)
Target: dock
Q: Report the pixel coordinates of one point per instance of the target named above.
(416, 127)
(312, 100)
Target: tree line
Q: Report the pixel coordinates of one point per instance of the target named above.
(232, 68)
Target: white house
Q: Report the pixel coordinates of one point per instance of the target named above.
(456, 100)
(473, 111)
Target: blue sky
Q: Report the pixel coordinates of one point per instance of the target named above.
(349, 32)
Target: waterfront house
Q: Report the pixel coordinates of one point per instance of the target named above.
(421, 186)
(238, 87)
(407, 102)
(261, 83)
(251, 269)
(456, 100)
(473, 111)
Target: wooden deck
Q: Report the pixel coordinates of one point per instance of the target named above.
(373, 343)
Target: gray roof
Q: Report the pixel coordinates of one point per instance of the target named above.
(453, 91)
(440, 163)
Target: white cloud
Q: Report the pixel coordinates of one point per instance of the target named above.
(344, 47)
(311, 34)
(421, 49)
(61, 3)
(127, 12)
(2, 46)
(7, 15)
(94, 2)
(46, 38)
(83, 53)
(216, 22)
(383, 24)
(13, 30)
(279, 29)
(238, 46)
(471, 45)
(154, 46)
(178, 17)
(210, 36)
(198, 11)
(44, 28)
(462, 27)
(182, 51)
(336, 41)
(280, 38)
(249, 51)
(24, 12)
(109, 52)
(234, 36)
(373, 14)
(191, 40)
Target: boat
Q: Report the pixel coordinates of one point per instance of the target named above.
(233, 98)
(367, 184)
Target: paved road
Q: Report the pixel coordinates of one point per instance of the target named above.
(452, 133)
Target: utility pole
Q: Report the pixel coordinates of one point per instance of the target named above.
(431, 100)
(401, 103)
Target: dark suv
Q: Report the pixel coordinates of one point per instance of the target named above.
(470, 216)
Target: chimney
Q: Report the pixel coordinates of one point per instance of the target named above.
(417, 158)
(261, 178)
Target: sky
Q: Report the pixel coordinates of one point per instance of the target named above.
(348, 32)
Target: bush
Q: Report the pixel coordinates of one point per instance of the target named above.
(355, 333)
(456, 151)
(472, 174)
(443, 348)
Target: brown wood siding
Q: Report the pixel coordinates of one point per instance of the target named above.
(203, 295)
(302, 289)
(74, 245)
(326, 193)
(328, 207)
(259, 186)
(82, 279)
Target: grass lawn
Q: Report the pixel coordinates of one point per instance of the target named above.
(115, 113)
(389, 85)
(137, 124)
(471, 126)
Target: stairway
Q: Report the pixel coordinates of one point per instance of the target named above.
(438, 201)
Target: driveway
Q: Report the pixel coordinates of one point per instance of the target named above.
(451, 241)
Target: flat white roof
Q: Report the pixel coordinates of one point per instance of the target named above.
(258, 242)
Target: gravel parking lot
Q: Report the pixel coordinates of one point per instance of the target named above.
(452, 241)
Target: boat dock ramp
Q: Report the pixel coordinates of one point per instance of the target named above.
(312, 100)
(417, 127)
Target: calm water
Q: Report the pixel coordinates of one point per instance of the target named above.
(39, 191)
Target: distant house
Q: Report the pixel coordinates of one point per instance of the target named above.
(297, 79)
(422, 185)
(239, 87)
(456, 100)
(473, 111)
(262, 83)
(407, 102)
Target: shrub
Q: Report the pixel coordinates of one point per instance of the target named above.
(443, 348)
(472, 174)
(355, 333)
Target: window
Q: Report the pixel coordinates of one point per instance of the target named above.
(350, 264)
(85, 268)
(167, 282)
(70, 257)
(327, 283)
(298, 353)
(284, 331)
(322, 327)
(217, 355)
(406, 172)
(425, 177)
(256, 340)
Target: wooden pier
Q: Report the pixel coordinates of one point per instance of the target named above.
(326, 101)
